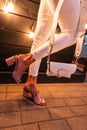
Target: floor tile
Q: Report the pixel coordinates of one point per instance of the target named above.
(78, 123)
(10, 119)
(54, 125)
(61, 112)
(35, 116)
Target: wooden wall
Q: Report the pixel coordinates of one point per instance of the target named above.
(15, 26)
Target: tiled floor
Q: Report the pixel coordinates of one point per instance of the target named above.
(66, 108)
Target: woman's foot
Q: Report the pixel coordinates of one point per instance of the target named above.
(30, 88)
(21, 65)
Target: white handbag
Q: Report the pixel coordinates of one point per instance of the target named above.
(61, 69)
(57, 68)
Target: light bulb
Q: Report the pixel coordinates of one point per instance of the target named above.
(86, 26)
(9, 8)
(31, 35)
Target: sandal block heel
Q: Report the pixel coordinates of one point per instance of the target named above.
(11, 60)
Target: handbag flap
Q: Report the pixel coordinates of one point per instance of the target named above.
(62, 69)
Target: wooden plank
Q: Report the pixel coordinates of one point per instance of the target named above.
(23, 7)
(15, 22)
(15, 38)
(9, 50)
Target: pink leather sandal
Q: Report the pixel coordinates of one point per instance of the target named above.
(22, 63)
(37, 98)
(20, 67)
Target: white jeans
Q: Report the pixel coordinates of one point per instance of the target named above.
(68, 22)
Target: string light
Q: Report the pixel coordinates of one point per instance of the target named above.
(86, 26)
(31, 35)
(32, 30)
(9, 7)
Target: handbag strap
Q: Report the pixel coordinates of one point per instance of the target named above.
(52, 34)
(79, 46)
(80, 39)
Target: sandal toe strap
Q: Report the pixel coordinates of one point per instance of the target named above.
(38, 99)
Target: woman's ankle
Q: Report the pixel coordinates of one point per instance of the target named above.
(31, 82)
(29, 59)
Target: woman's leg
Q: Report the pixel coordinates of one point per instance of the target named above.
(42, 33)
(68, 21)
(41, 36)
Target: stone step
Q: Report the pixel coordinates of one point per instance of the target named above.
(6, 77)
